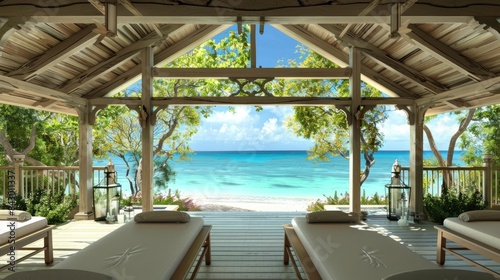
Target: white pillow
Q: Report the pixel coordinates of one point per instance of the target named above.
(162, 217)
(480, 215)
(15, 215)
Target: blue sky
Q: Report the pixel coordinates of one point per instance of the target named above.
(246, 129)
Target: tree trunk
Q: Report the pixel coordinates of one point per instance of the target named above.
(447, 176)
(10, 151)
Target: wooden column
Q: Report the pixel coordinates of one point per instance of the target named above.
(18, 160)
(488, 180)
(355, 132)
(86, 159)
(417, 163)
(146, 117)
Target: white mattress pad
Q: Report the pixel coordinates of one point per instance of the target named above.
(487, 232)
(345, 251)
(138, 250)
(19, 229)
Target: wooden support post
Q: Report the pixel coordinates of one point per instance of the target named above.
(18, 160)
(85, 140)
(488, 180)
(355, 132)
(146, 116)
(417, 164)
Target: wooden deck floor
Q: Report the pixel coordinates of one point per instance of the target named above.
(247, 245)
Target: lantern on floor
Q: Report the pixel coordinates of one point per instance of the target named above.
(106, 196)
(129, 213)
(397, 195)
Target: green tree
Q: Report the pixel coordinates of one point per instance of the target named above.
(175, 125)
(482, 136)
(465, 118)
(327, 125)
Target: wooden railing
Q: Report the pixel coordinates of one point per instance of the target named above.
(460, 179)
(54, 178)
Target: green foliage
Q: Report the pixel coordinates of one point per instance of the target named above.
(482, 136)
(19, 203)
(449, 204)
(185, 204)
(168, 198)
(55, 206)
(318, 205)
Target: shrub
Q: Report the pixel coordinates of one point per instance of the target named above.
(438, 208)
(185, 204)
(55, 206)
(318, 205)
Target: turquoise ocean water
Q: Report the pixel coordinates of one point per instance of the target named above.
(273, 174)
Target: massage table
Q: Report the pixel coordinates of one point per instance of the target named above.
(346, 251)
(482, 237)
(25, 232)
(150, 251)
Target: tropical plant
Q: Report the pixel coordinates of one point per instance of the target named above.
(319, 205)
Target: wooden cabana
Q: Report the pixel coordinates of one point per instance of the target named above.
(428, 56)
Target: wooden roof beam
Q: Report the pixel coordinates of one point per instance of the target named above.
(250, 101)
(56, 54)
(40, 91)
(463, 91)
(319, 19)
(252, 73)
(279, 9)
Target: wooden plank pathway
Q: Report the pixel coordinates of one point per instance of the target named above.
(248, 245)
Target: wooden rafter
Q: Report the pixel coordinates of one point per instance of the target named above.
(457, 93)
(492, 25)
(40, 91)
(169, 54)
(56, 54)
(98, 5)
(122, 56)
(342, 59)
(131, 8)
(364, 12)
(384, 58)
(446, 54)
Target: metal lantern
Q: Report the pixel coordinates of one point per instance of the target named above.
(106, 196)
(129, 213)
(398, 196)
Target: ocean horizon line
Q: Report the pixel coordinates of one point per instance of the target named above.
(232, 151)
